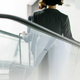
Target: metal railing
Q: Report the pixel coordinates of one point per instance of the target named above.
(39, 28)
(10, 34)
(15, 36)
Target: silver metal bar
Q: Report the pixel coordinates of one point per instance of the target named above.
(20, 48)
(10, 34)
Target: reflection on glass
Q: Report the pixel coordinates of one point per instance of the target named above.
(9, 54)
(53, 57)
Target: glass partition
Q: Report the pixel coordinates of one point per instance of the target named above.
(38, 56)
(9, 52)
(54, 59)
(10, 47)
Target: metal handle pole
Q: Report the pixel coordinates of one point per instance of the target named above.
(20, 47)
